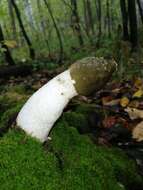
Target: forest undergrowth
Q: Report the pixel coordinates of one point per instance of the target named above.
(92, 140)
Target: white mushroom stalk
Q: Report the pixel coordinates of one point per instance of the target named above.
(45, 106)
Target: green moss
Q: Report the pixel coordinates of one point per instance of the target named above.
(20, 89)
(78, 120)
(89, 166)
(10, 100)
(10, 104)
(70, 161)
(9, 113)
(84, 108)
(24, 164)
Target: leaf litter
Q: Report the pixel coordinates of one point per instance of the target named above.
(120, 119)
(120, 116)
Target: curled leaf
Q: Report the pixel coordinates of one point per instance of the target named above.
(124, 101)
(137, 132)
(134, 113)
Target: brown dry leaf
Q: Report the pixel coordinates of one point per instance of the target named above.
(108, 101)
(109, 122)
(116, 90)
(112, 102)
(140, 105)
(134, 113)
(134, 104)
(124, 101)
(137, 132)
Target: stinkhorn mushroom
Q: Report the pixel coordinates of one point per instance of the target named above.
(45, 106)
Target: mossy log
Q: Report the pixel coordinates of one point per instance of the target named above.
(15, 70)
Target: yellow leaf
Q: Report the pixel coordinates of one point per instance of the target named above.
(124, 101)
(138, 83)
(10, 43)
(138, 94)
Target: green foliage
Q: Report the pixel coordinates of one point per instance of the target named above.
(44, 65)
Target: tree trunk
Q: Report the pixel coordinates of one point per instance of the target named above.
(42, 26)
(57, 31)
(140, 9)
(124, 13)
(133, 23)
(75, 21)
(99, 17)
(86, 18)
(31, 50)
(108, 18)
(12, 17)
(90, 16)
(7, 53)
(29, 13)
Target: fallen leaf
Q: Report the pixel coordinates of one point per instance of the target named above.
(137, 132)
(124, 101)
(134, 104)
(108, 101)
(138, 94)
(116, 90)
(113, 102)
(140, 105)
(109, 122)
(134, 113)
(138, 83)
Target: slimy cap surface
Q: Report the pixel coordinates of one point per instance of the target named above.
(91, 74)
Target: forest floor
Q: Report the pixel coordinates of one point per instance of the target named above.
(101, 137)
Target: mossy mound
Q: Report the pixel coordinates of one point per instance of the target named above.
(69, 161)
(12, 98)
(25, 165)
(87, 166)
(10, 104)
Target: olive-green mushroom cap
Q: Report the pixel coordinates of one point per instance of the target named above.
(91, 74)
